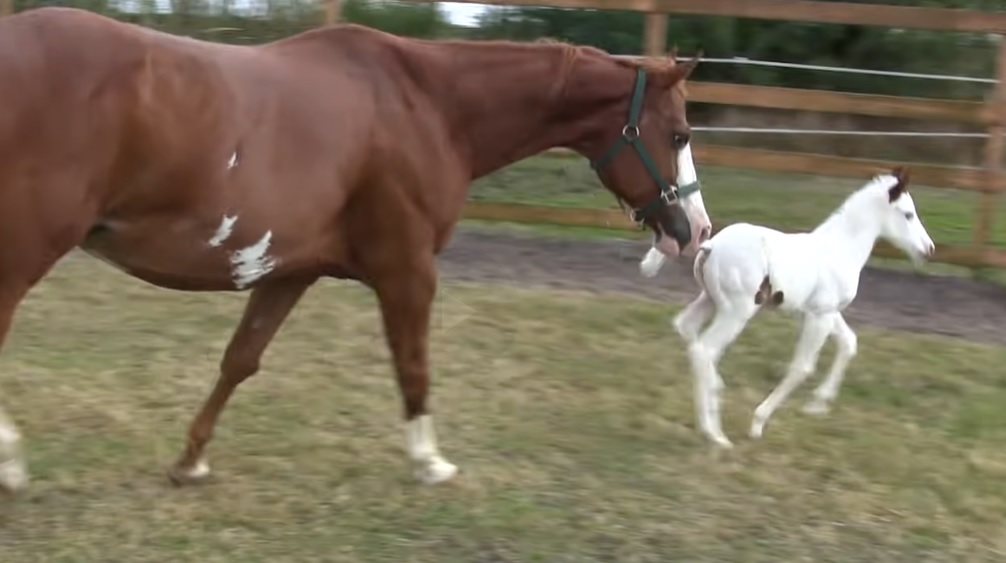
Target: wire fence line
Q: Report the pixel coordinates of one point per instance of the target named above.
(894, 73)
(789, 131)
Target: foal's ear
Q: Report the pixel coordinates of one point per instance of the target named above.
(903, 176)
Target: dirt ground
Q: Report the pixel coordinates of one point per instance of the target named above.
(947, 305)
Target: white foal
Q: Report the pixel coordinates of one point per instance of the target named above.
(815, 274)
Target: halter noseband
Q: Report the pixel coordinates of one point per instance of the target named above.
(630, 136)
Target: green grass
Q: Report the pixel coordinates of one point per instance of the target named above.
(569, 413)
(790, 201)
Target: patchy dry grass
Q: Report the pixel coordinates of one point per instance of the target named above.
(570, 415)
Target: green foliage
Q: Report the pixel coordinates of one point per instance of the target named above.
(868, 47)
(401, 18)
(621, 32)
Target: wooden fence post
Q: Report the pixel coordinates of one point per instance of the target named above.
(655, 35)
(333, 9)
(986, 212)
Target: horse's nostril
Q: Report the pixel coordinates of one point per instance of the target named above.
(704, 235)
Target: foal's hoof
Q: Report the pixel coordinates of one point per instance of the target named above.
(816, 408)
(434, 471)
(181, 475)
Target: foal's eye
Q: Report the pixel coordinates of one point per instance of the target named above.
(909, 215)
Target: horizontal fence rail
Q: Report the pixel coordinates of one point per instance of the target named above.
(953, 254)
(882, 15)
(989, 180)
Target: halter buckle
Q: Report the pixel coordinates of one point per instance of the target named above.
(630, 132)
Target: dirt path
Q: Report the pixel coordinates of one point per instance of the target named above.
(889, 299)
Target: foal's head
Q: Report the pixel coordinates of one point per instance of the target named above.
(900, 223)
(640, 149)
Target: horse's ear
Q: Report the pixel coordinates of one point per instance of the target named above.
(903, 175)
(673, 53)
(678, 72)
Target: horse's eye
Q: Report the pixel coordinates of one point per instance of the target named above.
(680, 140)
(909, 216)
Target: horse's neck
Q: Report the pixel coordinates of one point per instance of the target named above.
(510, 101)
(847, 236)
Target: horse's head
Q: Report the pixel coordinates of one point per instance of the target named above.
(642, 154)
(900, 223)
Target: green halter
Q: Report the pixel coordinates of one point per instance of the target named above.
(630, 136)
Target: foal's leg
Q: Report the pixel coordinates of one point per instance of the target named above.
(705, 353)
(689, 321)
(267, 308)
(846, 343)
(815, 331)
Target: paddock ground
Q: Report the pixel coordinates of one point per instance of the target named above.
(559, 390)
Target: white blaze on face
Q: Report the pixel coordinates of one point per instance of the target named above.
(693, 205)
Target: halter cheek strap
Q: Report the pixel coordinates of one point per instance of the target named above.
(668, 194)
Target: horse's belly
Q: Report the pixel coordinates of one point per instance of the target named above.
(193, 257)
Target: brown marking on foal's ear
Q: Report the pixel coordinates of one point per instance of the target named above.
(903, 175)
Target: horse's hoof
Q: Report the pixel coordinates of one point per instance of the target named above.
(13, 476)
(181, 475)
(435, 471)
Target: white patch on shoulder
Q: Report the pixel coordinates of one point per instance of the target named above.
(224, 230)
(253, 262)
(233, 161)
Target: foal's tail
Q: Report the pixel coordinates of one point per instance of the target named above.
(699, 266)
(775, 294)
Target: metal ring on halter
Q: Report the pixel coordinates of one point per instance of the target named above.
(630, 132)
(669, 196)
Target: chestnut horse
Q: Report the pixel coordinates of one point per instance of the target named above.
(341, 152)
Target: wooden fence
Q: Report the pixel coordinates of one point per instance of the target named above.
(989, 180)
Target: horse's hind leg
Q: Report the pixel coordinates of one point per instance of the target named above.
(13, 468)
(267, 308)
(846, 343)
(812, 338)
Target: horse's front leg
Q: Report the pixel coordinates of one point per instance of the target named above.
(406, 296)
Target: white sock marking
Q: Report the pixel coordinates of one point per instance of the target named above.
(13, 472)
(430, 466)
